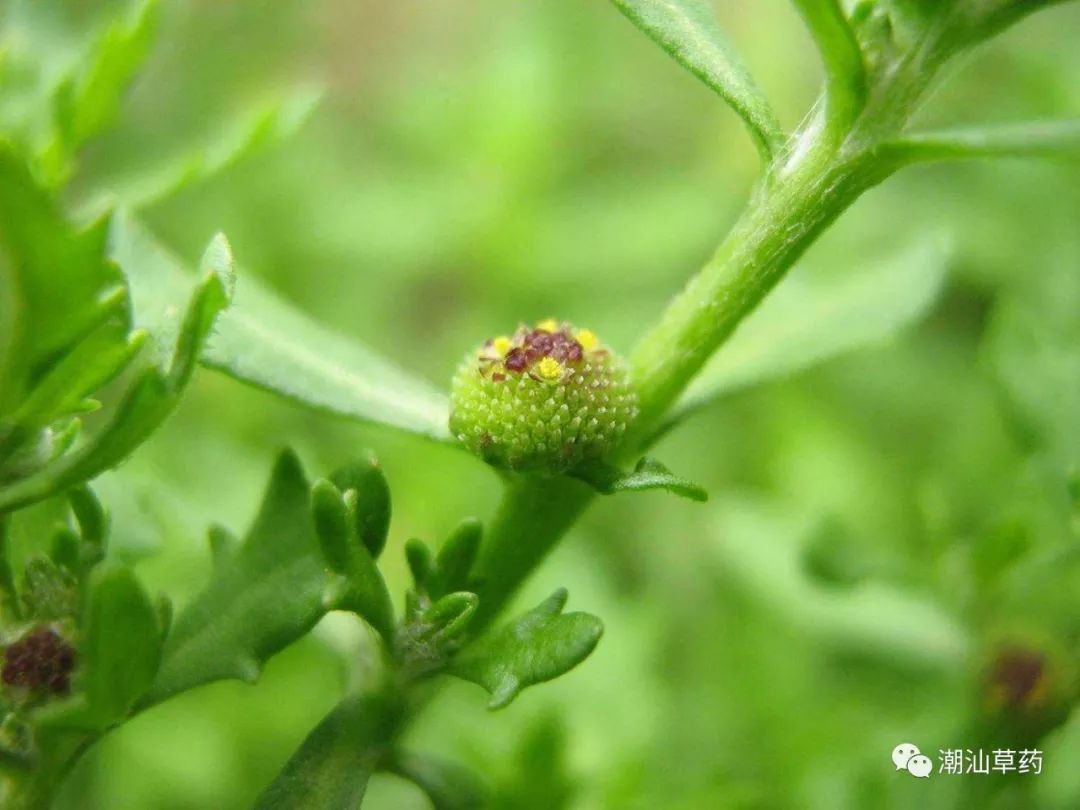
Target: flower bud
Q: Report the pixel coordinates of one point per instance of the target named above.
(542, 399)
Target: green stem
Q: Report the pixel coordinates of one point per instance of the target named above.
(787, 212)
(534, 513)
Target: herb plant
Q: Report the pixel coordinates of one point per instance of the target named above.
(102, 329)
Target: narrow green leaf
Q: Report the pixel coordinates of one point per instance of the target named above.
(1030, 139)
(88, 101)
(121, 647)
(844, 69)
(258, 601)
(541, 645)
(271, 345)
(809, 320)
(253, 132)
(331, 769)
(688, 31)
(157, 281)
(447, 785)
(266, 342)
(647, 474)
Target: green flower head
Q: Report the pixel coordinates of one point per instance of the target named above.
(544, 399)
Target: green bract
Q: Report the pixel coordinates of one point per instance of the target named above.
(543, 399)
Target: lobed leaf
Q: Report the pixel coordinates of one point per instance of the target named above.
(540, 646)
(689, 32)
(808, 321)
(258, 600)
(339, 520)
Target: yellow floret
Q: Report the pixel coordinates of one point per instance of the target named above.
(550, 368)
(548, 325)
(501, 345)
(587, 339)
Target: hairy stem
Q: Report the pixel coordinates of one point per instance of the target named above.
(788, 211)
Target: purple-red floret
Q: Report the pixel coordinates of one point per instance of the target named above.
(534, 345)
(516, 360)
(39, 661)
(540, 341)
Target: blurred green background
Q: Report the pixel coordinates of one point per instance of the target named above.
(888, 534)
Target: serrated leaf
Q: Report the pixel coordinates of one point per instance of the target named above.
(121, 646)
(689, 32)
(647, 474)
(338, 519)
(331, 769)
(258, 600)
(810, 320)
(539, 646)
